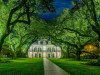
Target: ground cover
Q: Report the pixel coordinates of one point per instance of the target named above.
(76, 67)
(22, 66)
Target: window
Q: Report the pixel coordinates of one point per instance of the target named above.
(47, 49)
(50, 49)
(34, 49)
(54, 49)
(38, 49)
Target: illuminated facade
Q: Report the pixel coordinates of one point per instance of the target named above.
(44, 49)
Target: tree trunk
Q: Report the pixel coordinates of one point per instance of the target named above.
(78, 53)
(0, 58)
(2, 38)
(23, 55)
(1, 43)
(78, 57)
(0, 54)
(14, 55)
(67, 55)
(0, 47)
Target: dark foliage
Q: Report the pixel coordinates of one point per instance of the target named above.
(94, 63)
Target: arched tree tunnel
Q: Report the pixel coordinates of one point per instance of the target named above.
(21, 25)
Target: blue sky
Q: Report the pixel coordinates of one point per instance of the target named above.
(59, 5)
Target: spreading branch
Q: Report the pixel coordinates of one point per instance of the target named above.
(60, 40)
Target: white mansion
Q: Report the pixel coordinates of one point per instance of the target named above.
(44, 49)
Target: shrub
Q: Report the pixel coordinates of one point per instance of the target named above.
(94, 63)
(90, 56)
(4, 61)
(98, 61)
(91, 63)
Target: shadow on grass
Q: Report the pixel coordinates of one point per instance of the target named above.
(19, 59)
(3, 61)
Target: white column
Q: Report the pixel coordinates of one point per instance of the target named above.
(56, 52)
(51, 52)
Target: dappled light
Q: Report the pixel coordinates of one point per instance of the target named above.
(91, 48)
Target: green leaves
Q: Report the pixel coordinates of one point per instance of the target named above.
(20, 12)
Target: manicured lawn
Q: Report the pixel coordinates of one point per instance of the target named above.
(75, 67)
(23, 66)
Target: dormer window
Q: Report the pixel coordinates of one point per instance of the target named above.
(49, 42)
(41, 42)
(44, 42)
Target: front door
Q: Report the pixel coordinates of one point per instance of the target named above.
(35, 55)
(39, 55)
(48, 55)
(52, 55)
(44, 54)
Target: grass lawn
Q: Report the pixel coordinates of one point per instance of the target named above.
(22, 66)
(75, 67)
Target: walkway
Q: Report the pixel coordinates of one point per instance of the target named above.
(52, 69)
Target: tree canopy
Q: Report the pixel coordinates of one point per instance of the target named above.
(20, 25)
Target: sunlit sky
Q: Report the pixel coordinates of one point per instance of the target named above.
(59, 5)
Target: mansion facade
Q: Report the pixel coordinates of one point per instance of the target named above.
(44, 49)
